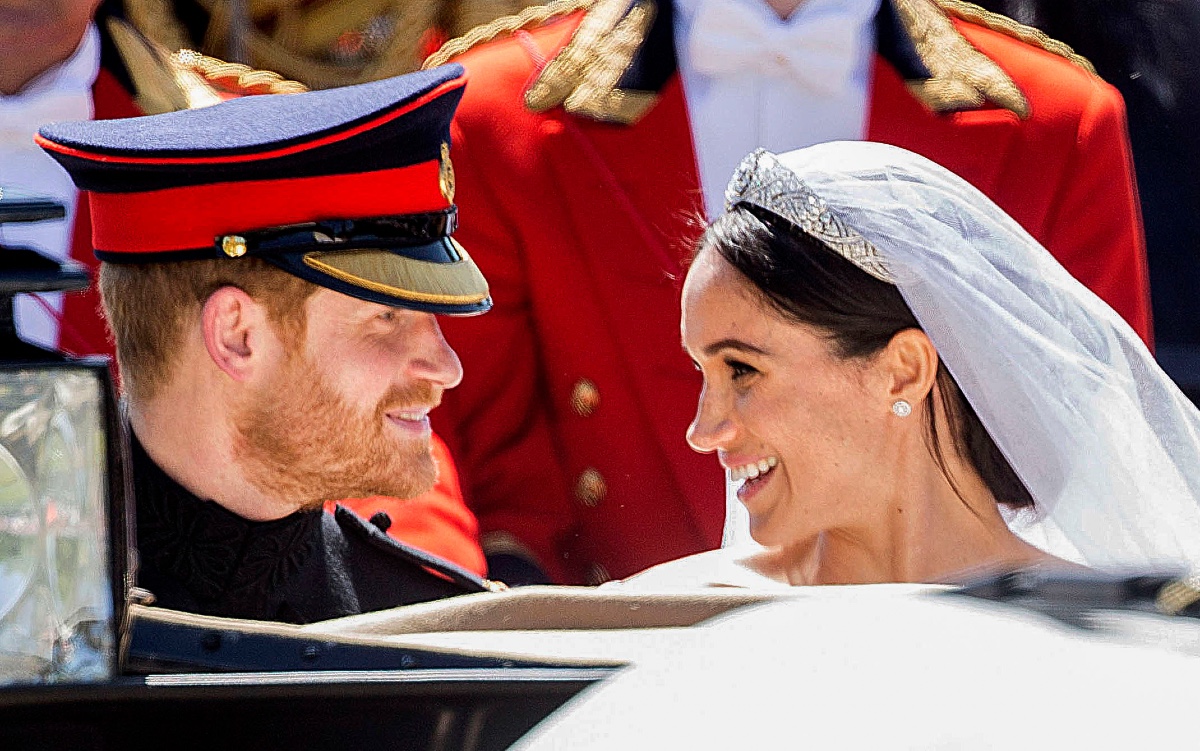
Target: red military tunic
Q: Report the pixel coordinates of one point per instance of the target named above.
(569, 425)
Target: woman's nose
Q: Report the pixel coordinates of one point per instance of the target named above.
(434, 359)
(711, 428)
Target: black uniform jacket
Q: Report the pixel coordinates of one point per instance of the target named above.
(196, 556)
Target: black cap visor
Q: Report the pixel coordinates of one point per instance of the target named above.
(435, 277)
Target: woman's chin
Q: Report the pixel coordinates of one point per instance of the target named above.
(762, 528)
(765, 534)
(774, 521)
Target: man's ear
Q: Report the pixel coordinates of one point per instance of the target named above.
(912, 364)
(234, 326)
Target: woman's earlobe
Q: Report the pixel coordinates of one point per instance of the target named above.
(228, 320)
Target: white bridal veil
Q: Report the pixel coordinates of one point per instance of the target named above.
(1104, 441)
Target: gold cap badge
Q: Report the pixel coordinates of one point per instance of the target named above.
(233, 246)
(446, 174)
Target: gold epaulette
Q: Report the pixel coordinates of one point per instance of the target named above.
(961, 77)
(1005, 25)
(534, 15)
(583, 75)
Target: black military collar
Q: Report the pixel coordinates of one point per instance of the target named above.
(216, 555)
(655, 62)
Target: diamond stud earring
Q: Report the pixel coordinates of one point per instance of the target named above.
(901, 408)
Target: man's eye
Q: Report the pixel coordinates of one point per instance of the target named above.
(387, 315)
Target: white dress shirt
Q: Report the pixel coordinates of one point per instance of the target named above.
(61, 93)
(754, 80)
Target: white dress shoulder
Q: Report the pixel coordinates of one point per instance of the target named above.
(723, 567)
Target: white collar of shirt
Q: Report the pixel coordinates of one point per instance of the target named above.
(61, 93)
(754, 80)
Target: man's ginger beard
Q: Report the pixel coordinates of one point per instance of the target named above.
(300, 441)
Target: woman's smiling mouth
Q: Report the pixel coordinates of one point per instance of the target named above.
(756, 474)
(753, 470)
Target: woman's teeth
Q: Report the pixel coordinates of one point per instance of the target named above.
(753, 470)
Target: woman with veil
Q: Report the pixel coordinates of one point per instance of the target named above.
(909, 388)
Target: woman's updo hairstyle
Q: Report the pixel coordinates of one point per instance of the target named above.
(806, 282)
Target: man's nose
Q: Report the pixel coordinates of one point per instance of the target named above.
(434, 359)
(711, 428)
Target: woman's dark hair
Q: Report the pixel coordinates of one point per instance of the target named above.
(806, 282)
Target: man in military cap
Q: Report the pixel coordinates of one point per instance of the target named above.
(272, 268)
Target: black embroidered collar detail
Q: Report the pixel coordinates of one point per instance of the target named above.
(225, 562)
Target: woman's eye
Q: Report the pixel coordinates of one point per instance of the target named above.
(740, 369)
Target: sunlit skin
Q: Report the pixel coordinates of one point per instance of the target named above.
(855, 495)
(784, 8)
(265, 427)
(36, 35)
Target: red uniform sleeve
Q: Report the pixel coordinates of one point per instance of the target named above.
(437, 522)
(495, 421)
(1095, 224)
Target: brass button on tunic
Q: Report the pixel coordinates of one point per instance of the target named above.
(590, 488)
(585, 397)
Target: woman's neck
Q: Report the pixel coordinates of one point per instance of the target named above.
(933, 531)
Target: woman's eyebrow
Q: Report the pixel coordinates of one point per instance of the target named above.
(734, 344)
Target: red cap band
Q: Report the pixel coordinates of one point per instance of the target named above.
(152, 222)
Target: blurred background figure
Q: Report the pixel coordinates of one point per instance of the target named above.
(1146, 48)
(63, 60)
(321, 43)
(54, 65)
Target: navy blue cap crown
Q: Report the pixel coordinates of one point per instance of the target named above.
(254, 125)
(346, 187)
